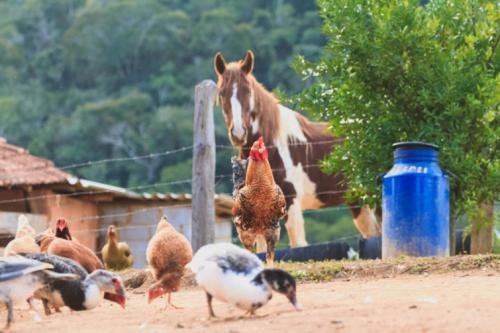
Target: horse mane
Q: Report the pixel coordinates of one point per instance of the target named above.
(270, 117)
(267, 103)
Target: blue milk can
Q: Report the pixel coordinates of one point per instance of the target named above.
(415, 203)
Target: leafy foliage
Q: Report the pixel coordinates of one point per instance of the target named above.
(400, 71)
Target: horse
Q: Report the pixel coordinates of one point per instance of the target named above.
(296, 147)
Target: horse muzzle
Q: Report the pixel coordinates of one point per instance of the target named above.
(238, 139)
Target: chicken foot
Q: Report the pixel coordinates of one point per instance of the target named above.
(169, 304)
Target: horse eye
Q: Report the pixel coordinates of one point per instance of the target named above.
(224, 93)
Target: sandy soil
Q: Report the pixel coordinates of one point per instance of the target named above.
(452, 302)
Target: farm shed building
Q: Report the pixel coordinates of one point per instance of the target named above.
(35, 187)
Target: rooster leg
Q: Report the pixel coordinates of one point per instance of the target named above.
(272, 237)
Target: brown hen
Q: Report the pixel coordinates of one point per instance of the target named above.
(167, 254)
(69, 249)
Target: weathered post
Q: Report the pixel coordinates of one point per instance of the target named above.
(203, 214)
(482, 230)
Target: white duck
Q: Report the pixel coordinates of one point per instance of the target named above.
(234, 275)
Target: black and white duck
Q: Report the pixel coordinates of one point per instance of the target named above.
(85, 293)
(21, 277)
(236, 276)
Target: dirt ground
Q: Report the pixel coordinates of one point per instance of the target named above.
(450, 302)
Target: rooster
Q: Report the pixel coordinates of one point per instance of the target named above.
(260, 204)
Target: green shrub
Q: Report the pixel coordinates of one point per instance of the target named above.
(399, 71)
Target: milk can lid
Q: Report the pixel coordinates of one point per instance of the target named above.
(414, 145)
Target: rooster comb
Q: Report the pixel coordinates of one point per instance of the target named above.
(258, 143)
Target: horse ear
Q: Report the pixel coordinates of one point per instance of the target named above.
(219, 63)
(247, 65)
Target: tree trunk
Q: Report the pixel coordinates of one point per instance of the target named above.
(482, 230)
(203, 209)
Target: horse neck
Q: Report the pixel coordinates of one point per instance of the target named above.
(266, 108)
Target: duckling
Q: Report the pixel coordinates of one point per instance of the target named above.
(237, 276)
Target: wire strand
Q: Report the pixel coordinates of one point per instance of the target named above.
(139, 187)
(121, 159)
(142, 210)
(153, 155)
(76, 194)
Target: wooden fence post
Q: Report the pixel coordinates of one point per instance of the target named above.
(203, 188)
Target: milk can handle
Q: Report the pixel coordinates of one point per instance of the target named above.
(379, 177)
(451, 175)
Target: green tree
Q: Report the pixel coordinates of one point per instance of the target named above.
(397, 71)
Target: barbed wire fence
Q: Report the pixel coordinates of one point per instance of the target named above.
(220, 177)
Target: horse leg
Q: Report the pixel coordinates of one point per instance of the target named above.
(295, 225)
(365, 221)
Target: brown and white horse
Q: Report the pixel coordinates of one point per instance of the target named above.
(296, 146)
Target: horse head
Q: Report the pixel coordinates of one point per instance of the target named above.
(235, 90)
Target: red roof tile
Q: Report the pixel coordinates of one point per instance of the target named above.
(18, 167)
